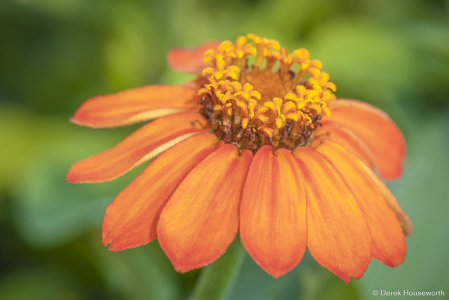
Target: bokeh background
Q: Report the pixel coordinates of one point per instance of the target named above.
(54, 54)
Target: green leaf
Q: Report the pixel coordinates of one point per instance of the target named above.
(217, 280)
(319, 283)
(38, 284)
(47, 210)
(137, 274)
(254, 283)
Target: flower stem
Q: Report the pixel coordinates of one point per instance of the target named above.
(217, 280)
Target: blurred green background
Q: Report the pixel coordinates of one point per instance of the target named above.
(54, 54)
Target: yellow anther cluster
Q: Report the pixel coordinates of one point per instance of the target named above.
(255, 105)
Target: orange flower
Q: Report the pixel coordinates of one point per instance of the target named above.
(265, 149)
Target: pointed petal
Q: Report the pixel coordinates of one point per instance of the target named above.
(273, 211)
(132, 217)
(338, 236)
(201, 219)
(376, 130)
(406, 223)
(347, 139)
(388, 240)
(135, 105)
(143, 144)
(190, 60)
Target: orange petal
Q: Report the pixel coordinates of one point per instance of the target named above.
(404, 219)
(135, 105)
(347, 139)
(273, 211)
(376, 130)
(338, 236)
(132, 217)
(201, 219)
(143, 144)
(388, 240)
(190, 60)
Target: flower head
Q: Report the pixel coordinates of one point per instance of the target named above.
(264, 149)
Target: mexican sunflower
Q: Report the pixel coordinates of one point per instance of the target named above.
(257, 144)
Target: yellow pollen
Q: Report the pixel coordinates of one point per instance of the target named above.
(260, 104)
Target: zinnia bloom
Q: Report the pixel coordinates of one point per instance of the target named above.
(260, 145)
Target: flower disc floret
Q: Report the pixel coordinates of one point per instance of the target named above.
(264, 103)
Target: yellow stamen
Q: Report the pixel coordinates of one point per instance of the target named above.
(265, 102)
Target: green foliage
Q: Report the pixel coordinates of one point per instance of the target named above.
(218, 279)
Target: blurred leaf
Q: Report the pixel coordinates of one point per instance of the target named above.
(140, 273)
(49, 211)
(333, 288)
(40, 284)
(366, 60)
(286, 20)
(26, 135)
(48, 52)
(218, 279)
(18, 133)
(67, 51)
(430, 42)
(133, 54)
(254, 283)
(317, 283)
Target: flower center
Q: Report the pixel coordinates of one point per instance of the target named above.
(270, 85)
(277, 100)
